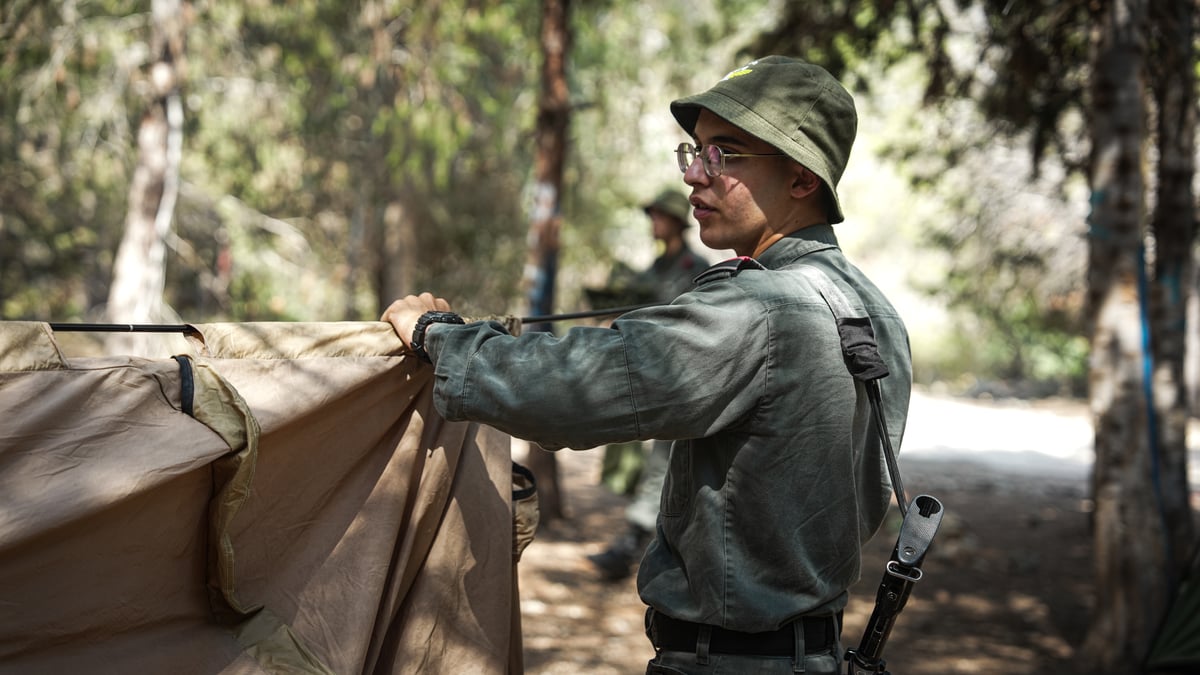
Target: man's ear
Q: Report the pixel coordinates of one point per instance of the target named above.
(804, 182)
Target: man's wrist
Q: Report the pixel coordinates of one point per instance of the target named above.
(423, 323)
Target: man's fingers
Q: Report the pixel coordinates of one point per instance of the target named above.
(429, 302)
(422, 303)
(403, 313)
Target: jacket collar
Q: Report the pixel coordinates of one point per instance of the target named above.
(798, 244)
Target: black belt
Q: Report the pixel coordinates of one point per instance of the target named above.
(820, 633)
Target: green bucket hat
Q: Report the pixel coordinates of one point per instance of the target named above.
(795, 106)
(673, 203)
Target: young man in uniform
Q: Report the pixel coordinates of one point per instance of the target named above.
(776, 476)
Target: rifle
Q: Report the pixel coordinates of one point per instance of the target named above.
(901, 572)
(861, 354)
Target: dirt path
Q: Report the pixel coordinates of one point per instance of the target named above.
(1006, 590)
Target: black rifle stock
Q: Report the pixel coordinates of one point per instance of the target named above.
(902, 571)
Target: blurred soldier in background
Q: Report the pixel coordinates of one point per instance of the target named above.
(628, 468)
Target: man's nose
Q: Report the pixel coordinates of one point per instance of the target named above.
(695, 173)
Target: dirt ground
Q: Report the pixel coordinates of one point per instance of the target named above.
(1006, 591)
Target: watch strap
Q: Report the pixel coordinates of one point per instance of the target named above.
(418, 336)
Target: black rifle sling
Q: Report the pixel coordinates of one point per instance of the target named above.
(861, 354)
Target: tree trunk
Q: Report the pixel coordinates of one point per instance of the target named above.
(542, 264)
(1174, 230)
(1129, 537)
(398, 257)
(139, 271)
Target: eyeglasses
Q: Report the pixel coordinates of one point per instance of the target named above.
(712, 157)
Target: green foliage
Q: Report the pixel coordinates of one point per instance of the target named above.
(64, 85)
(309, 124)
(1012, 251)
(318, 132)
(994, 74)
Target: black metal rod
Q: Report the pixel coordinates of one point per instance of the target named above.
(612, 311)
(123, 327)
(187, 328)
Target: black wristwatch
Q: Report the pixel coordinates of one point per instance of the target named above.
(418, 336)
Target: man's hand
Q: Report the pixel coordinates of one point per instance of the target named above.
(403, 313)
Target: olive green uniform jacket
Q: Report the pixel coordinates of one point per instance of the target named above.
(672, 274)
(776, 478)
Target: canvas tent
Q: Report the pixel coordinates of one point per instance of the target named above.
(282, 498)
(1176, 647)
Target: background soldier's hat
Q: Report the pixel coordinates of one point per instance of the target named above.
(795, 106)
(673, 203)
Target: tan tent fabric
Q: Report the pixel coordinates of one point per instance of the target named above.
(315, 515)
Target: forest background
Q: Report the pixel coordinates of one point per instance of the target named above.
(337, 155)
(324, 157)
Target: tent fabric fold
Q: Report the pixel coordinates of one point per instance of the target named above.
(314, 514)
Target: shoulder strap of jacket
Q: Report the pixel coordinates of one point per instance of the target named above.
(728, 268)
(859, 348)
(860, 351)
